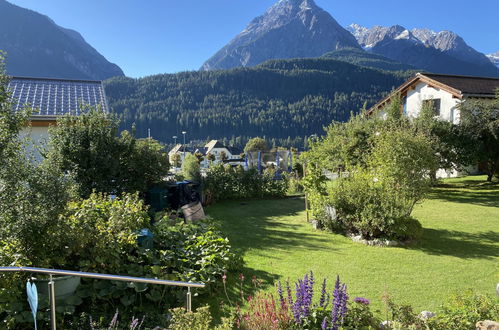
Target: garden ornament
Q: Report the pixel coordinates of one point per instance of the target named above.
(32, 299)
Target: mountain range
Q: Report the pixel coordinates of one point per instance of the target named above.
(299, 28)
(37, 47)
(441, 52)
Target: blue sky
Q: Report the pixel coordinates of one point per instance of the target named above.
(165, 36)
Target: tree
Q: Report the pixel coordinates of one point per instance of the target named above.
(480, 131)
(191, 169)
(143, 163)
(88, 149)
(223, 156)
(176, 159)
(443, 136)
(31, 196)
(394, 109)
(211, 157)
(256, 144)
(199, 156)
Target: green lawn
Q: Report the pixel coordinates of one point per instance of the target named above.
(459, 249)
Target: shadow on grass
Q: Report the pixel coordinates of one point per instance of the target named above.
(482, 245)
(483, 198)
(260, 224)
(476, 192)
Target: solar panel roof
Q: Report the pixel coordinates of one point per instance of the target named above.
(56, 97)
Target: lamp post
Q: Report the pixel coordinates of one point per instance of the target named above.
(183, 133)
(175, 164)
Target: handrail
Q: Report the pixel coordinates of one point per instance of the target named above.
(101, 276)
(51, 284)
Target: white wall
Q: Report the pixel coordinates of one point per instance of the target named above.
(448, 110)
(448, 104)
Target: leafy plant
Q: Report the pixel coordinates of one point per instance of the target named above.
(88, 148)
(224, 182)
(462, 311)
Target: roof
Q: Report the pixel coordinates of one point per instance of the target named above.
(234, 151)
(459, 86)
(179, 148)
(214, 144)
(468, 85)
(56, 97)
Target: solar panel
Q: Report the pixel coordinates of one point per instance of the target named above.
(56, 97)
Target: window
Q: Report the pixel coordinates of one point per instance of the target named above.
(435, 104)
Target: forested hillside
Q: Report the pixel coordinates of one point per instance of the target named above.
(278, 99)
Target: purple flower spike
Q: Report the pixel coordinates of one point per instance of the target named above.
(290, 297)
(279, 292)
(322, 301)
(340, 299)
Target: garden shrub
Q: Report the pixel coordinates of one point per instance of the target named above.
(87, 147)
(376, 197)
(103, 232)
(225, 182)
(183, 320)
(198, 320)
(464, 310)
(370, 208)
(99, 234)
(191, 168)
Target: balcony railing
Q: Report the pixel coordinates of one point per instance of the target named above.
(52, 272)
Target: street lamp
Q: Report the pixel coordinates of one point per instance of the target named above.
(183, 133)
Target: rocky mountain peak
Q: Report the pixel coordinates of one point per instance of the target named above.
(443, 51)
(494, 58)
(288, 29)
(369, 38)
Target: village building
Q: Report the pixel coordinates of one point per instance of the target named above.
(50, 99)
(445, 92)
(221, 153)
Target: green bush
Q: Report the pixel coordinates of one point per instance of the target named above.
(464, 310)
(99, 234)
(376, 201)
(102, 232)
(370, 208)
(191, 168)
(224, 182)
(87, 147)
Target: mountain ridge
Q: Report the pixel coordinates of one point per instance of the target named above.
(288, 29)
(37, 47)
(439, 52)
(276, 99)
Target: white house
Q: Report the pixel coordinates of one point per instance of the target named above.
(215, 148)
(51, 98)
(445, 92)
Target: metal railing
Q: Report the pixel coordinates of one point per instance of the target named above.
(51, 285)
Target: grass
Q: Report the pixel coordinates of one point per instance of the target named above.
(459, 248)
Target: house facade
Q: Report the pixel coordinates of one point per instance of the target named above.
(445, 92)
(49, 99)
(214, 147)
